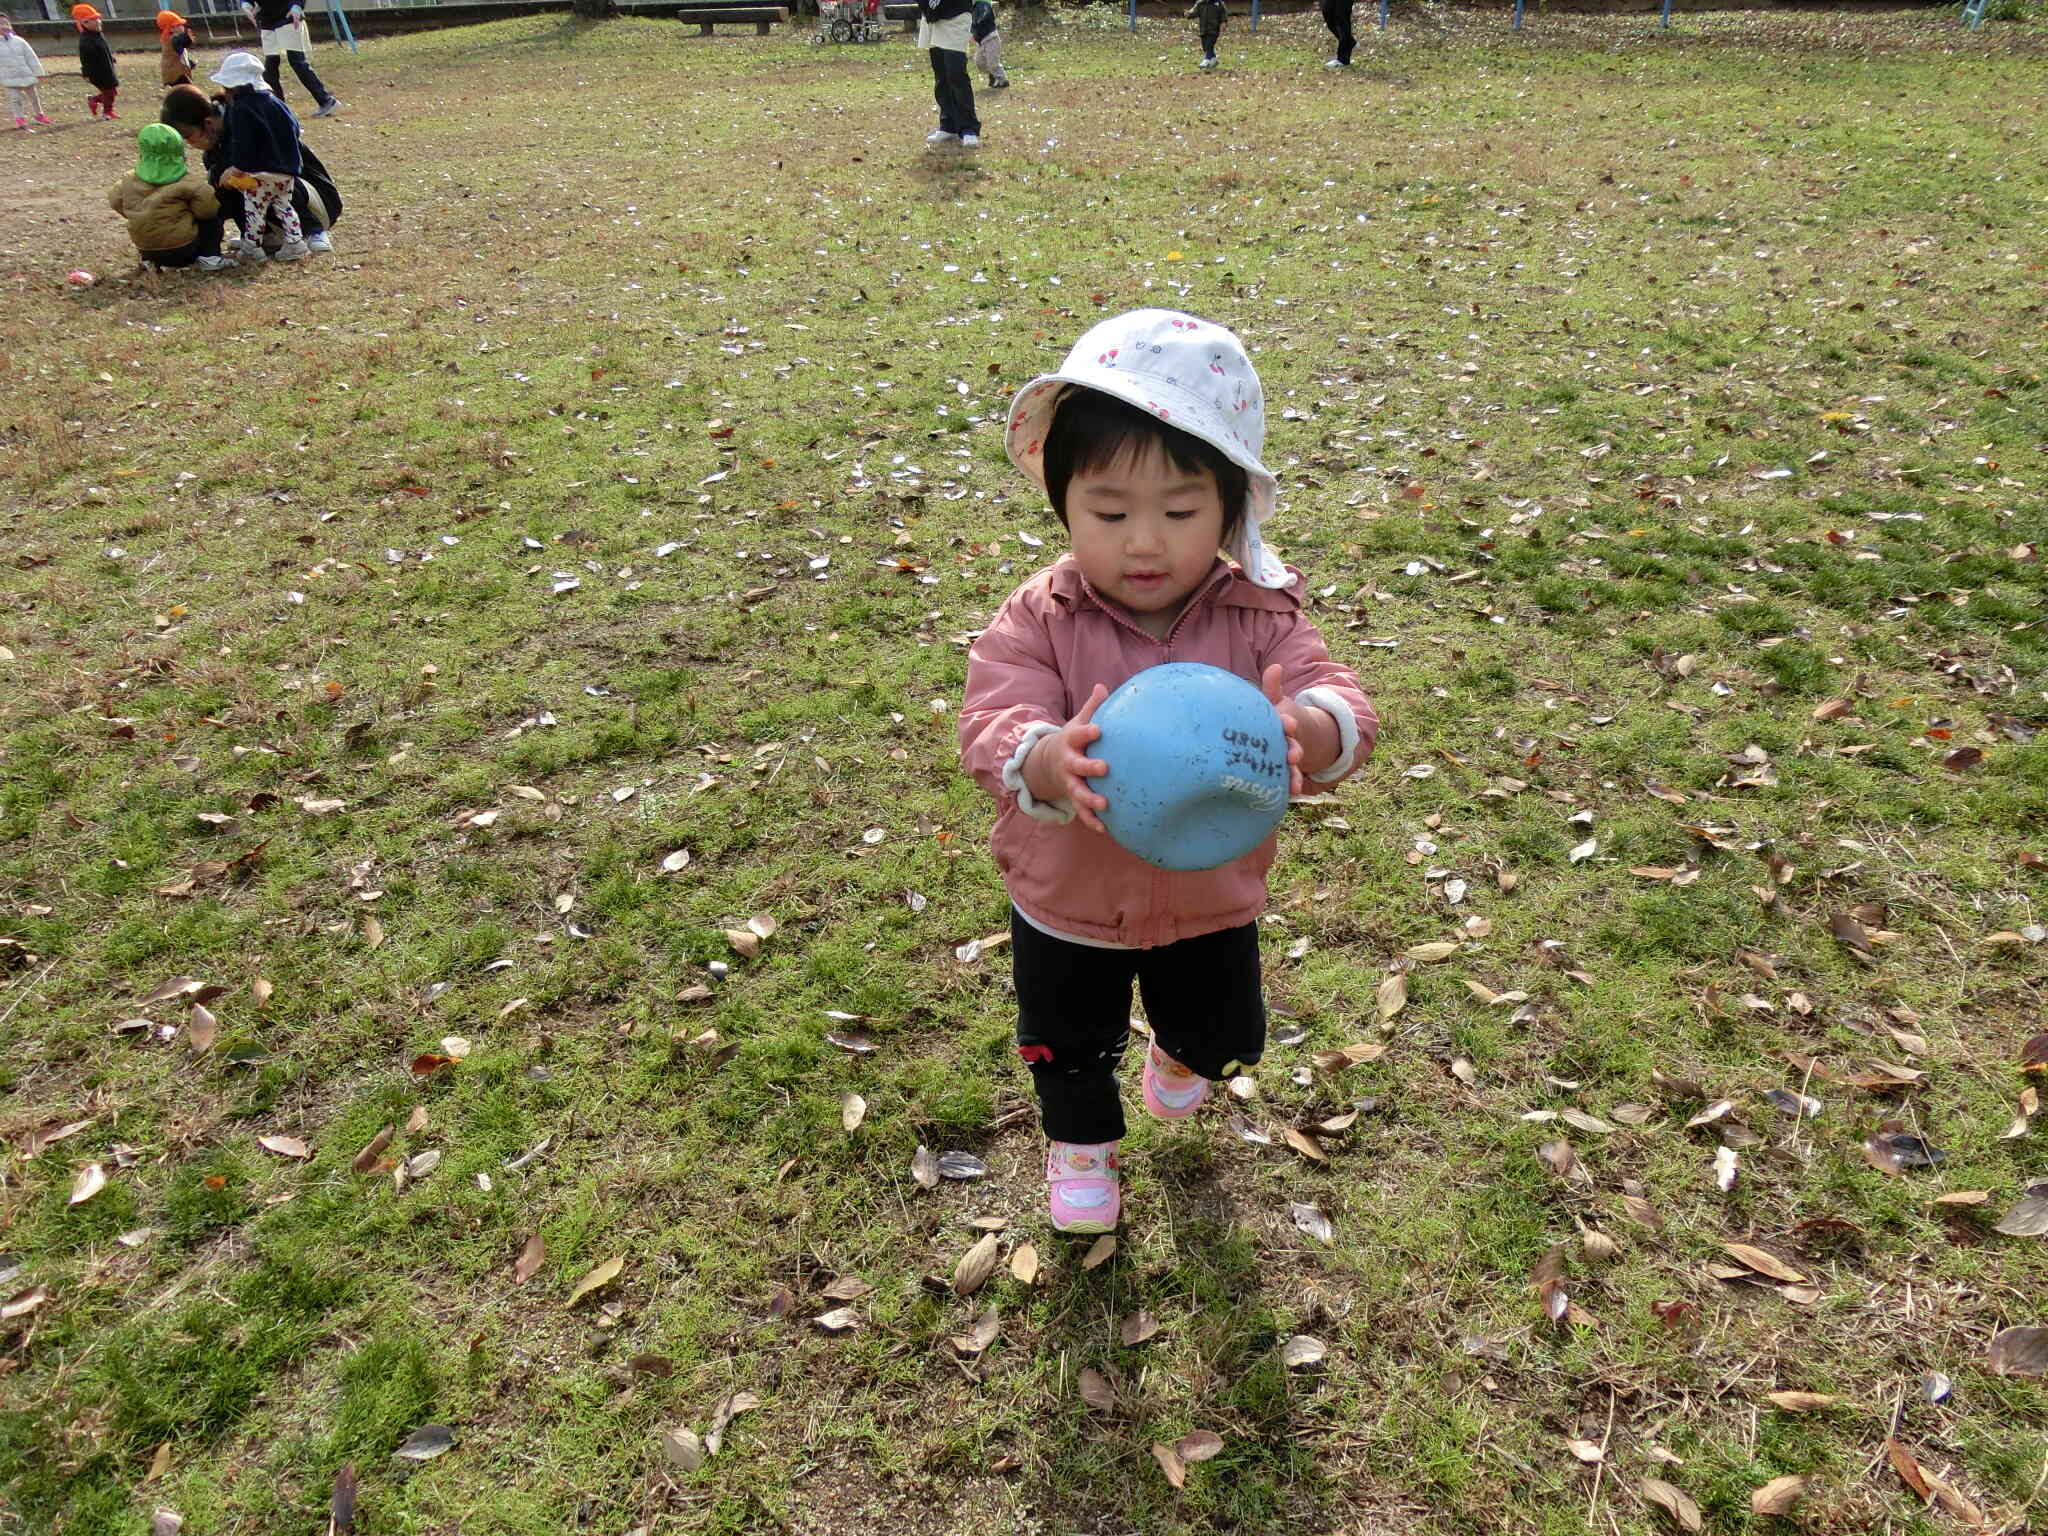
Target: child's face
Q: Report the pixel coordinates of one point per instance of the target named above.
(91, 24)
(6, 27)
(1145, 532)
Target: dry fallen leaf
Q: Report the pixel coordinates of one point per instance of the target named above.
(1801, 1402)
(975, 1266)
(1763, 1263)
(2020, 1352)
(86, 1183)
(1170, 1463)
(1393, 994)
(285, 1146)
(531, 1255)
(1675, 1502)
(683, 1449)
(1301, 1350)
(366, 1160)
(597, 1279)
(1198, 1445)
(1096, 1391)
(201, 1027)
(980, 1334)
(1099, 1251)
(1024, 1264)
(728, 1408)
(924, 1167)
(1305, 1144)
(1588, 1451)
(838, 1320)
(1138, 1327)
(1778, 1497)
(852, 1110)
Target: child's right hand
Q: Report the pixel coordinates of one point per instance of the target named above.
(1059, 767)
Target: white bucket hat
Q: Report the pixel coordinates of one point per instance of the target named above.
(240, 69)
(1191, 374)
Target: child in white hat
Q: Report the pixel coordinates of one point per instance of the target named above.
(259, 139)
(1147, 444)
(22, 73)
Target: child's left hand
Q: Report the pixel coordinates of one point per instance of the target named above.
(1312, 734)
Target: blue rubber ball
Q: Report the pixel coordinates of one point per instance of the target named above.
(1197, 766)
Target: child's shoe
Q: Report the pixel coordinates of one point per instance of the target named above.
(213, 263)
(1172, 1092)
(940, 136)
(92, 105)
(1209, 63)
(970, 141)
(291, 250)
(20, 123)
(1081, 1186)
(320, 243)
(112, 114)
(43, 118)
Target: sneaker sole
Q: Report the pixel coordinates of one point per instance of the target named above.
(1085, 1227)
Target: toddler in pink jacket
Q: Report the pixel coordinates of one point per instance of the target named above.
(1147, 444)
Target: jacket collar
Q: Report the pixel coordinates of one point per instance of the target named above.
(1225, 586)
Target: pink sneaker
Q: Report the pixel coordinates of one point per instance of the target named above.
(1081, 1186)
(43, 118)
(20, 123)
(1172, 1092)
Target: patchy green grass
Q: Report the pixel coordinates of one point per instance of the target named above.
(699, 327)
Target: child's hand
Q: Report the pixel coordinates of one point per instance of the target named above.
(1059, 768)
(1291, 721)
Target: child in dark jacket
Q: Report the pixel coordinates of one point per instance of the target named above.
(260, 141)
(1209, 15)
(988, 45)
(96, 61)
(944, 30)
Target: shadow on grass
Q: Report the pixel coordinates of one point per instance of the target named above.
(1214, 1302)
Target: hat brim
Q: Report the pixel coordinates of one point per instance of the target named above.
(1031, 412)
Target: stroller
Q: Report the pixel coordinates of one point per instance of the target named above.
(849, 21)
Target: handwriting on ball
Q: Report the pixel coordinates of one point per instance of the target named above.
(1264, 796)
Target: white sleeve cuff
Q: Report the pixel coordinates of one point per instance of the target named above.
(1332, 703)
(1013, 776)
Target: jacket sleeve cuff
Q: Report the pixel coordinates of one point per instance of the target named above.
(1332, 703)
(1013, 776)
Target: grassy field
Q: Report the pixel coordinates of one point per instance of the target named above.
(1660, 423)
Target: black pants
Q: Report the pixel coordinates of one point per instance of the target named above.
(1337, 17)
(953, 89)
(206, 243)
(273, 72)
(1201, 995)
(1209, 43)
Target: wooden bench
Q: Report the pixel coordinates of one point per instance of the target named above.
(708, 16)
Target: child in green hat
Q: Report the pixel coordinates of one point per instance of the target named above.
(173, 218)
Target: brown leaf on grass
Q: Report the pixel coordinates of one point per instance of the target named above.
(852, 1110)
(1430, 954)
(1547, 1280)
(1170, 1463)
(1847, 930)
(2020, 1352)
(597, 1279)
(1908, 1467)
(980, 1334)
(341, 1503)
(1717, 1110)
(1392, 995)
(975, 1266)
(847, 1288)
(1588, 1451)
(1096, 1390)
(1778, 1497)
(1347, 1056)
(21, 1303)
(1024, 1264)
(1801, 1402)
(685, 1451)
(1198, 1445)
(1675, 1502)
(838, 1320)
(2030, 1217)
(201, 1028)
(86, 1183)
(427, 1063)
(176, 987)
(1099, 1251)
(373, 933)
(1305, 1144)
(1642, 1212)
(1559, 1156)
(159, 1464)
(924, 1167)
(2034, 1054)
(1763, 1263)
(285, 1146)
(744, 944)
(260, 991)
(531, 1255)
(728, 1408)
(1138, 1327)
(1833, 709)
(366, 1160)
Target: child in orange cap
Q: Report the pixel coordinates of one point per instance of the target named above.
(96, 61)
(20, 72)
(177, 61)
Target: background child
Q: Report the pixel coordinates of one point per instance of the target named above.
(173, 218)
(281, 28)
(1147, 444)
(20, 69)
(1208, 15)
(177, 45)
(988, 45)
(96, 62)
(944, 31)
(259, 140)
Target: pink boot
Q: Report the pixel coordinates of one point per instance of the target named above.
(1081, 1186)
(1172, 1092)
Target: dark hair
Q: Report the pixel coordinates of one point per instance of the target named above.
(185, 106)
(1091, 430)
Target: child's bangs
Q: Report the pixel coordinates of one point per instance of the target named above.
(1102, 435)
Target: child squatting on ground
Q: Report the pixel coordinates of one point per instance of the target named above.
(260, 141)
(96, 62)
(20, 72)
(1209, 15)
(1147, 444)
(173, 218)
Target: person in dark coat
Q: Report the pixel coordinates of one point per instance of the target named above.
(1209, 16)
(316, 199)
(988, 45)
(281, 28)
(1337, 17)
(944, 29)
(96, 62)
